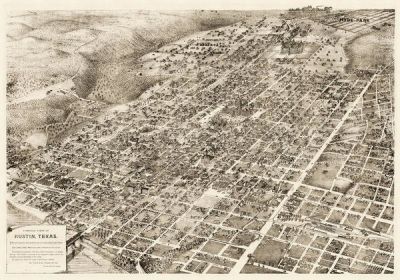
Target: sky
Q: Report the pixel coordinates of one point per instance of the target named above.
(194, 4)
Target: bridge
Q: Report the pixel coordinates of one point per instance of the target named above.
(74, 245)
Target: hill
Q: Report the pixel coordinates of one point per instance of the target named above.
(73, 56)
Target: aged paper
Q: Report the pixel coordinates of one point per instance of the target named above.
(200, 138)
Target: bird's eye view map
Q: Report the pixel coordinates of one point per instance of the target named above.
(205, 141)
